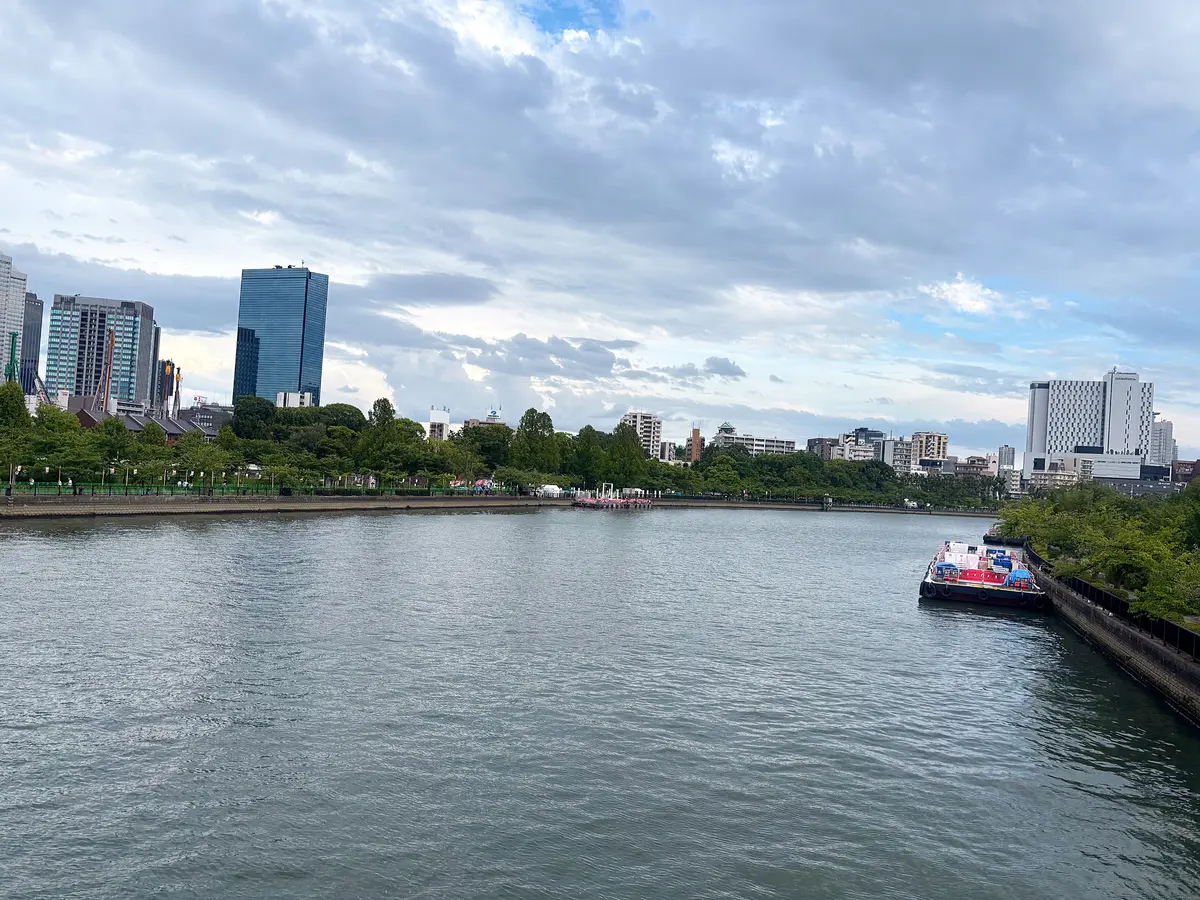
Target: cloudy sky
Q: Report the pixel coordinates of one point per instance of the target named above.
(799, 215)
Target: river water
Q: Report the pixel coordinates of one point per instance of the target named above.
(673, 704)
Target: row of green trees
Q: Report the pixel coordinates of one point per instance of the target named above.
(1147, 549)
(331, 444)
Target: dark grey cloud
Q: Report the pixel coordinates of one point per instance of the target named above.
(431, 289)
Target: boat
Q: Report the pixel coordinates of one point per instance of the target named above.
(990, 576)
(606, 498)
(611, 503)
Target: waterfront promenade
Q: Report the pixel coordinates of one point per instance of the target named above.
(28, 506)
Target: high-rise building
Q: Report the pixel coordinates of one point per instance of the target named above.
(31, 343)
(694, 448)
(649, 429)
(898, 454)
(1111, 417)
(438, 428)
(1007, 457)
(78, 344)
(930, 445)
(281, 333)
(13, 285)
(164, 387)
(1163, 448)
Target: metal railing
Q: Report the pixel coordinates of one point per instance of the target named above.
(1182, 639)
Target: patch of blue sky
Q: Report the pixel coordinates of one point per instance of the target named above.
(556, 16)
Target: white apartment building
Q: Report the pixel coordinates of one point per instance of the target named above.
(1163, 448)
(649, 429)
(899, 455)
(438, 428)
(293, 399)
(850, 449)
(930, 445)
(727, 436)
(13, 285)
(1108, 418)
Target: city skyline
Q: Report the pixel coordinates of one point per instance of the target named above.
(545, 218)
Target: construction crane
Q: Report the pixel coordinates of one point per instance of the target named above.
(104, 387)
(12, 371)
(43, 395)
(178, 392)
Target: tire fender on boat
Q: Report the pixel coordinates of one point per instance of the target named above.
(944, 590)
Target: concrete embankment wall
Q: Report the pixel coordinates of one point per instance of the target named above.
(679, 503)
(24, 506)
(1149, 660)
(28, 507)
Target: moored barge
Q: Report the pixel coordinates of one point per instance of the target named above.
(991, 576)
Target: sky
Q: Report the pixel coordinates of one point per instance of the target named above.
(796, 215)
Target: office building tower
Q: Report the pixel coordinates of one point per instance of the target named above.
(77, 346)
(1113, 416)
(281, 333)
(1163, 449)
(13, 285)
(1007, 457)
(649, 429)
(31, 343)
(164, 387)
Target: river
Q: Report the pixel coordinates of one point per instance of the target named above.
(670, 704)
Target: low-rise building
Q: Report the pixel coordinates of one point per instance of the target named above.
(493, 418)
(1184, 471)
(727, 436)
(1055, 476)
(666, 451)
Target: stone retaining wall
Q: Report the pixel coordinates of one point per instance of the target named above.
(1149, 660)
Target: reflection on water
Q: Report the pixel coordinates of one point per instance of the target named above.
(679, 704)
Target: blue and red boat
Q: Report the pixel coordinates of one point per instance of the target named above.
(991, 576)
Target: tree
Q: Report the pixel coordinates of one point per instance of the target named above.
(152, 435)
(13, 411)
(253, 418)
(625, 461)
(343, 415)
(533, 446)
(491, 443)
(114, 441)
(382, 413)
(587, 459)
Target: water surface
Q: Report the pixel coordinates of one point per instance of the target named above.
(674, 704)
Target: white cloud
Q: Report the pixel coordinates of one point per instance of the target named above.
(964, 295)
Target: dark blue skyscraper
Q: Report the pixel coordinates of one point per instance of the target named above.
(281, 333)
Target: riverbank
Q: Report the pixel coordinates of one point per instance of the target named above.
(25, 506)
(1163, 668)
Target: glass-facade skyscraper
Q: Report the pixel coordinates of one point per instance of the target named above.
(281, 333)
(78, 343)
(31, 343)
